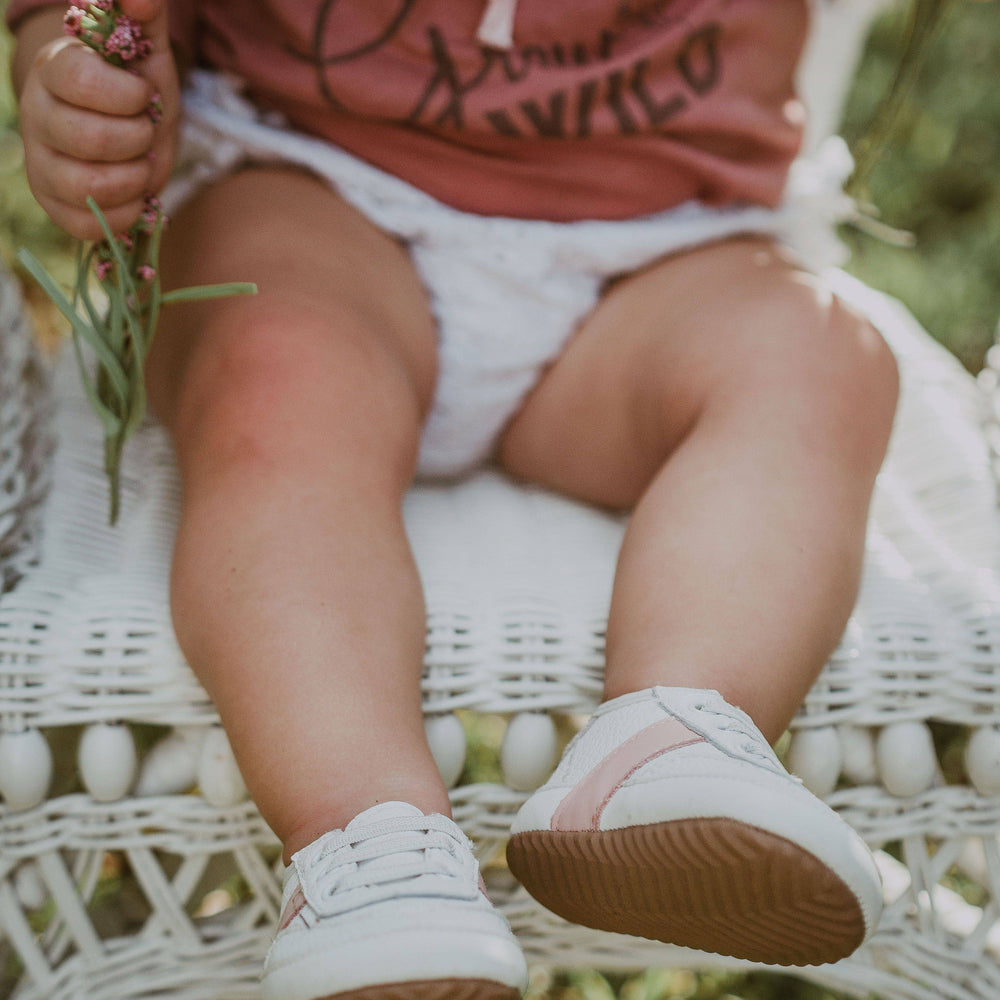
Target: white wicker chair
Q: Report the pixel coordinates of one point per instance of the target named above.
(152, 875)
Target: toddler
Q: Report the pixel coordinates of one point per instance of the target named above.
(563, 237)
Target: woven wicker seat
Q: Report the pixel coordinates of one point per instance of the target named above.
(141, 869)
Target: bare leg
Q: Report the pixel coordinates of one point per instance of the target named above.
(296, 417)
(743, 412)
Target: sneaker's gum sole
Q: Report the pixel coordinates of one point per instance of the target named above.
(433, 989)
(712, 884)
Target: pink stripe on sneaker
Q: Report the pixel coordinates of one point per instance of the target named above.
(582, 807)
(295, 906)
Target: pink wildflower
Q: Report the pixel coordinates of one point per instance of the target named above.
(121, 42)
(73, 21)
(151, 214)
(155, 109)
(102, 269)
(125, 240)
(146, 272)
(126, 41)
(103, 4)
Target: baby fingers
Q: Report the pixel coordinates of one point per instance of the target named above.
(81, 222)
(71, 181)
(87, 135)
(79, 76)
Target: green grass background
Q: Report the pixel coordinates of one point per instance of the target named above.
(938, 178)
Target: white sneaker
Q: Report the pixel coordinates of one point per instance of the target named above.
(392, 906)
(669, 817)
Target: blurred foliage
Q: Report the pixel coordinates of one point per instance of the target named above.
(22, 222)
(671, 984)
(938, 178)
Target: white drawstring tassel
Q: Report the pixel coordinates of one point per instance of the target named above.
(496, 28)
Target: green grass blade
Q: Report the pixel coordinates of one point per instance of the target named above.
(81, 263)
(113, 323)
(153, 316)
(112, 468)
(209, 292)
(88, 334)
(34, 267)
(122, 271)
(111, 423)
(82, 287)
(137, 398)
(155, 292)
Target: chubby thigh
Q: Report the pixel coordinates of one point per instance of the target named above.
(733, 329)
(340, 328)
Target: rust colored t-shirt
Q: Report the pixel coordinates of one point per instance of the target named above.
(599, 109)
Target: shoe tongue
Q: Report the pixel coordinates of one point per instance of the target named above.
(383, 811)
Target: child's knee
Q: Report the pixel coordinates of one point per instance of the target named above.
(806, 359)
(272, 390)
(850, 383)
(866, 379)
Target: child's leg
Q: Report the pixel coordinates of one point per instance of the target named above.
(744, 412)
(296, 416)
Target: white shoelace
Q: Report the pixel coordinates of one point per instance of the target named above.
(739, 723)
(398, 857)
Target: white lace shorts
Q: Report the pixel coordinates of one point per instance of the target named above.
(506, 293)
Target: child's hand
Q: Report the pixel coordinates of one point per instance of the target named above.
(87, 127)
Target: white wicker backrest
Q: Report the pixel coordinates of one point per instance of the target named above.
(25, 445)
